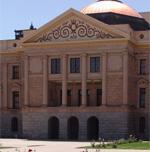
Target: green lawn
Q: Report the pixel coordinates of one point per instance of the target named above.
(136, 145)
(140, 145)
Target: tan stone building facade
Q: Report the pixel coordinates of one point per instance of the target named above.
(84, 75)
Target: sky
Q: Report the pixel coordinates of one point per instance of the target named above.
(18, 14)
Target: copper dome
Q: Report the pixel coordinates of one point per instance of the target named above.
(110, 6)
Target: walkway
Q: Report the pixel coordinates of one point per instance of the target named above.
(49, 146)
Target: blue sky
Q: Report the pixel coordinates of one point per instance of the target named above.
(18, 14)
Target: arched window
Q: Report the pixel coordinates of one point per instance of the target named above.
(142, 97)
(73, 128)
(142, 125)
(92, 128)
(15, 99)
(53, 128)
(14, 124)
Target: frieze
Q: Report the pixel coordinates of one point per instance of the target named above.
(75, 29)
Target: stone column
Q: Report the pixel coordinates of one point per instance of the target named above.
(84, 79)
(125, 78)
(104, 78)
(64, 80)
(5, 79)
(26, 81)
(45, 82)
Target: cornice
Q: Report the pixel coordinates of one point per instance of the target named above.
(143, 44)
(13, 53)
(65, 43)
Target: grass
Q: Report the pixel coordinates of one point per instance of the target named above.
(139, 145)
(145, 145)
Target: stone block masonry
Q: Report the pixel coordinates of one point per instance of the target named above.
(35, 124)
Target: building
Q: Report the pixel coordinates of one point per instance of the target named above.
(84, 75)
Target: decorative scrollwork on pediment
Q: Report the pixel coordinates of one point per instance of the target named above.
(142, 82)
(75, 29)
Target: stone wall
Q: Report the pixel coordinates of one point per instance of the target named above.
(6, 124)
(35, 124)
(114, 90)
(132, 81)
(35, 90)
(136, 117)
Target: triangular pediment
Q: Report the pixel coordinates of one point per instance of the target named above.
(73, 25)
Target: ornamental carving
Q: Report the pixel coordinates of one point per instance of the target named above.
(142, 82)
(74, 29)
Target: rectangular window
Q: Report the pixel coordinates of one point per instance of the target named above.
(75, 65)
(142, 125)
(15, 72)
(55, 66)
(99, 97)
(69, 97)
(142, 97)
(60, 98)
(68, 92)
(79, 97)
(88, 97)
(94, 64)
(142, 66)
(15, 99)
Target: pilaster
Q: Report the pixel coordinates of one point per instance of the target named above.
(45, 81)
(64, 80)
(84, 79)
(26, 80)
(104, 78)
(125, 78)
(5, 83)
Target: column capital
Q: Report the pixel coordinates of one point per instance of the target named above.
(65, 55)
(26, 57)
(104, 53)
(45, 57)
(125, 52)
(84, 54)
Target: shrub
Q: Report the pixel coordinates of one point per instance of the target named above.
(108, 144)
(103, 146)
(122, 141)
(114, 146)
(93, 144)
(132, 139)
(99, 145)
